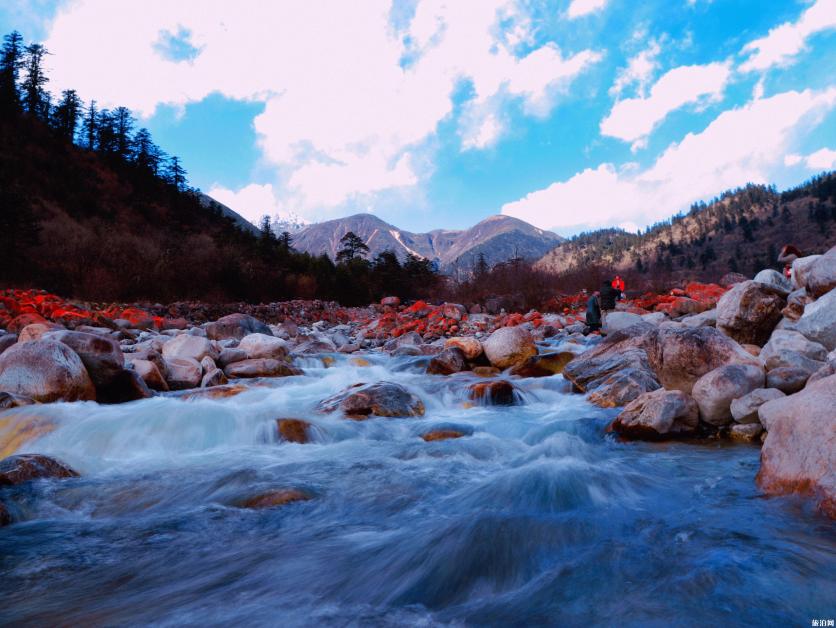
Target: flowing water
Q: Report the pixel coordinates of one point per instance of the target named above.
(536, 517)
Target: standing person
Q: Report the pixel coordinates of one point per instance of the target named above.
(593, 313)
(607, 300)
(618, 284)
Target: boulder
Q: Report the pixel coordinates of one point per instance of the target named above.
(509, 346)
(623, 386)
(486, 371)
(796, 302)
(390, 301)
(783, 340)
(787, 379)
(6, 341)
(128, 385)
(800, 446)
(821, 277)
(213, 377)
(774, 281)
(544, 364)
(45, 370)
(819, 321)
(17, 324)
(469, 346)
(745, 408)
(260, 367)
(456, 311)
(188, 347)
(101, 356)
(436, 435)
(228, 356)
(619, 320)
(293, 430)
(385, 399)
(274, 498)
(745, 432)
(22, 468)
(654, 318)
(749, 312)
(658, 415)
(715, 391)
(409, 339)
(499, 392)
(150, 374)
(235, 326)
(263, 346)
(10, 400)
(801, 269)
(36, 330)
(183, 373)
(791, 359)
(449, 361)
(708, 318)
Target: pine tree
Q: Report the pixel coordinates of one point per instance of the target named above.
(123, 123)
(352, 247)
(90, 126)
(35, 98)
(66, 114)
(176, 174)
(11, 62)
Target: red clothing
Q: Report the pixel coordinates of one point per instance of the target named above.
(618, 284)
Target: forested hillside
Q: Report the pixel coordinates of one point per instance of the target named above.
(740, 231)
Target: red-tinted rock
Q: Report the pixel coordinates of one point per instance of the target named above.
(449, 361)
(437, 435)
(496, 393)
(293, 430)
(274, 498)
(384, 399)
(26, 467)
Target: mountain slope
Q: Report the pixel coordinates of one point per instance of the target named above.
(742, 231)
(499, 238)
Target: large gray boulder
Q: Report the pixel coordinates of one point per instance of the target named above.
(263, 346)
(749, 312)
(260, 367)
(658, 415)
(800, 448)
(715, 391)
(188, 347)
(235, 326)
(45, 370)
(509, 346)
(819, 321)
(183, 373)
(101, 356)
(801, 270)
(775, 281)
(745, 408)
(783, 340)
(620, 320)
(821, 277)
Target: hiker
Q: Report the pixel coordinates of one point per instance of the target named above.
(593, 314)
(607, 299)
(618, 284)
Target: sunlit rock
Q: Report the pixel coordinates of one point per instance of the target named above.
(45, 370)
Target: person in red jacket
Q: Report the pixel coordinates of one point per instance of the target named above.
(618, 284)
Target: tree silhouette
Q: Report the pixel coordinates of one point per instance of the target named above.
(352, 246)
(66, 114)
(176, 174)
(90, 126)
(35, 98)
(123, 123)
(11, 62)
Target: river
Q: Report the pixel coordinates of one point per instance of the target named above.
(536, 517)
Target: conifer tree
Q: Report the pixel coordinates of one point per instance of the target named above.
(35, 98)
(11, 62)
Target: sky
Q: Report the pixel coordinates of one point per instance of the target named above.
(569, 114)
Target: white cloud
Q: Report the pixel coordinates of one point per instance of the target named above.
(741, 145)
(792, 160)
(632, 119)
(344, 114)
(784, 42)
(822, 159)
(639, 70)
(578, 8)
(252, 201)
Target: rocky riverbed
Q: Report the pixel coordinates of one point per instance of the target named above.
(405, 462)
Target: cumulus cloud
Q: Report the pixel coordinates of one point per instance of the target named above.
(741, 145)
(578, 8)
(639, 70)
(252, 201)
(350, 99)
(784, 42)
(632, 119)
(822, 159)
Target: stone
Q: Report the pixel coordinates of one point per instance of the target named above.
(623, 386)
(509, 346)
(544, 364)
(783, 340)
(469, 346)
(821, 277)
(792, 359)
(787, 379)
(101, 356)
(658, 415)
(449, 361)
(17, 324)
(754, 350)
(436, 435)
(486, 371)
(150, 374)
(128, 385)
(499, 392)
(263, 346)
(801, 269)
(229, 356)
(293, 430)
(409, 339)
(708, 318)
(800, 446)
(45, 370)
(654, 318)
(274, 498)
(213, 377)
(715, 391)
(384, 399)
(10, 400)
(6, 341)
(619, 320)
(214, 392)
(235, 326)
(183, 373)
(819, 321)
(22, 468)
(260, 367)
(775, 281)
(745, 432)
(36, 330)
(796, 302)
(188, 347)
(390, 301)
(745, 409)
(749, 312)
(455, 311)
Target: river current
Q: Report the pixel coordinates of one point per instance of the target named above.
(535, 517)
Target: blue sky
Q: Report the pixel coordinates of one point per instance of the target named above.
(570, 114)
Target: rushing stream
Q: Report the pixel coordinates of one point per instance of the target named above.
(535, 517)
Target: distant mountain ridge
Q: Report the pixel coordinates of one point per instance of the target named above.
(499, 238)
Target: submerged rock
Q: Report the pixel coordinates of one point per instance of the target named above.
(293, 430)
(278, 497)
(544, 365)
(509, 346)
(499, 392)
(437, 435)
(45, 370)
(26, 467)
(658, 415)
(384, 399)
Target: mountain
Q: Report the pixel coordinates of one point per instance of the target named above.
(742, 230)
(239, 221)
(499, 238)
